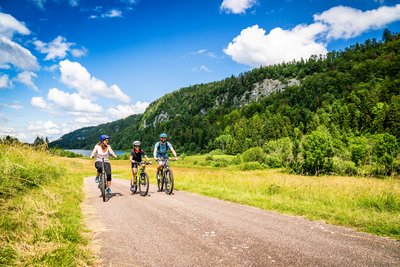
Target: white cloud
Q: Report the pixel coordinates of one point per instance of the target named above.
(39, 102)
(79, 52)
(201, 68)
(14, 54)
(346, 22)
(254, 47)
(113, 13)
(236, 6)
(4, 131)
(58, 48)
(9, 25)
(41, 3)
(12, 106)
(44, 128)
(123, 111)
(26, 78)
(76, 76)
(203, 52)
(72, 102)
(88, 119)
(4, 81)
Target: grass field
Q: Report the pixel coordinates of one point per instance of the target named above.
(41, 221)
(366, 204)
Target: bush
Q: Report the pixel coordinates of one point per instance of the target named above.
(343, 167)
(360, 150)
(251, 165)
(384, 151)
(317, 151)
(255, 154)
(279, 152)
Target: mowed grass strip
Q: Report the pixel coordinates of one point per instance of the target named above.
(40, 219)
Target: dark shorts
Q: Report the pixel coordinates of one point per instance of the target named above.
(134, 165)
(107, 167)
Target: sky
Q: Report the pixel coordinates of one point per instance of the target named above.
(68, 64)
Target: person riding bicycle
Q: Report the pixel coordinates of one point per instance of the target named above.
(136, 157)
(160, 150)
(103, 150)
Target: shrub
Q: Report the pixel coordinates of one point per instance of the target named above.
(384, 151)
(317, 152)
(360, 150)
(251, 165)
(279, 152)
(254, 154)
(343, 167)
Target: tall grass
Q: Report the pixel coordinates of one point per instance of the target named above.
(40, 217)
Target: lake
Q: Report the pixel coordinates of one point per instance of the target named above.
(86, 152)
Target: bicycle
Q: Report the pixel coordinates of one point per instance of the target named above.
(143, 178)
(166, 179)
(103, 183)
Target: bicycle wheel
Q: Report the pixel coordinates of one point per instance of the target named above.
(134, 186)
(160, 183)
(169, 182)
(103, 184)
(144, 184)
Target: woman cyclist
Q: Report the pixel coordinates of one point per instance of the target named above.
(136, 156)
(103, 150)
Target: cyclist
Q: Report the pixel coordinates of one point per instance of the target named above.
(136, 156)
(160, 151)
(103, 150)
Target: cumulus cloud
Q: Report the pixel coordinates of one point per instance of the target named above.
(76, 76)
(346, 22)
(40, 3)
(203, 52)
(254, 47)
(26, 78)
(4, 81)
(123, 111)
(58, 48)
(44, 128)
(201, 68)
(236, 6)
(39, 102)
(113, 13)
(72, 102)
(4, 131)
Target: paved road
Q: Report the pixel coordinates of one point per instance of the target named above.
(185, 229)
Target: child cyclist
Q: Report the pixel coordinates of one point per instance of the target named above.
(136, 156)
(103, 150)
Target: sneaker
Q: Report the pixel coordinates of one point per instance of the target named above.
(108, 190)
(132, 188)
(97, 179)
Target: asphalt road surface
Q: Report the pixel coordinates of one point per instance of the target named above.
(186, 229)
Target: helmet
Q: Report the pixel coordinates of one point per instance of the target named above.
(104, 137)
(163, 135)
(136, 143)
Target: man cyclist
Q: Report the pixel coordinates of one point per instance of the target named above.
(136, 156)
(103, 150)
(160, 151)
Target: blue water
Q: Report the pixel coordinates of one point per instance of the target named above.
(86, 152)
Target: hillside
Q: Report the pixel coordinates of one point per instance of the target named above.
(350, 93)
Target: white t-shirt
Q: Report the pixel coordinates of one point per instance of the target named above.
(102, 155)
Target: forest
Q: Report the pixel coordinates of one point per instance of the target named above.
(341, 115)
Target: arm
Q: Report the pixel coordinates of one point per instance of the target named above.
(155, 151)
(111, 152)
(131, 158)
(93, 152)
(173, 151)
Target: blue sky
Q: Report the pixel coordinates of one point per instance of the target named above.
(66, 64)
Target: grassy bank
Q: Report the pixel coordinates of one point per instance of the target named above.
(41, 221)
(366, 204)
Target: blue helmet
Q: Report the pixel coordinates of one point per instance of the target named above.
(104, 137)
(163, 135)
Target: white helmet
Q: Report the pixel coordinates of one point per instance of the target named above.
(136, 143)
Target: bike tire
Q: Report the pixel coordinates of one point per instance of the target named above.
(160, 182)
(169, 182)
(143, 184)
(103, 185)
